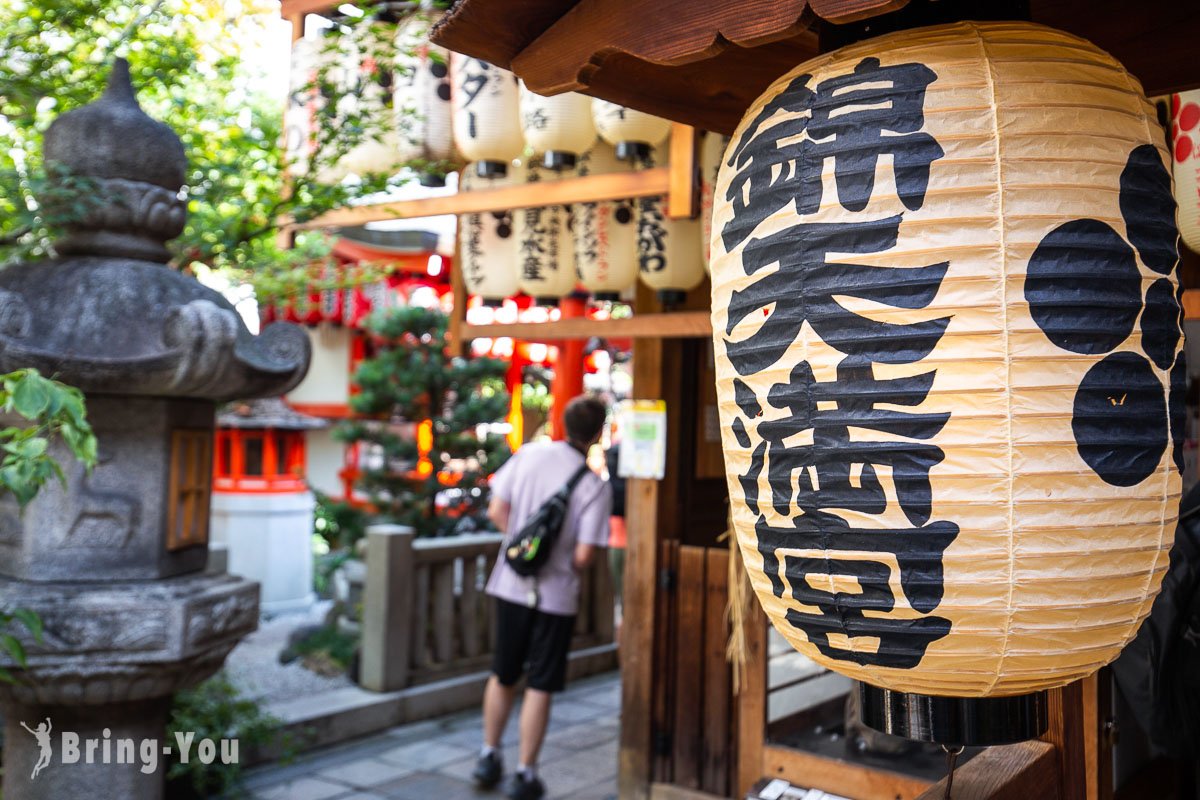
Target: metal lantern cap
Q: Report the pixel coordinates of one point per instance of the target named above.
(955, 721)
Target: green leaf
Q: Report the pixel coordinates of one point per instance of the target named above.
(30, 397)
(31, 621)
(14, 647)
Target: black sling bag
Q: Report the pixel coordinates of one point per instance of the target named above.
(528, 551)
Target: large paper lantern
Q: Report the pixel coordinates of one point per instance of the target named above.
(634, 134)
(545, 253)
(311, 57)
(486, 123)
(605, 233)
(369, 96)
(487, 242)
(669, 258)
(948, 357)
(711, 150)
(422, 98)
(558, 127)
(1185, 134)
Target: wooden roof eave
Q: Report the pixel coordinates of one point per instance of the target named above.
(703, 62)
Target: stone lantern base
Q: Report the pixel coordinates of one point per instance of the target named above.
(111, 657)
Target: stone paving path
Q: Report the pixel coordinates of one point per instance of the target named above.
(432, 760)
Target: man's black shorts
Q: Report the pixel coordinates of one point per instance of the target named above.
(526, 636)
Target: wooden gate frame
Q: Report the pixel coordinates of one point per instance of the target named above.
(1072, 761)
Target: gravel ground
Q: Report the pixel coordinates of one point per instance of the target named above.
(254, 666)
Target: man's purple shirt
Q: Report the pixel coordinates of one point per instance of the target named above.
(525, 482)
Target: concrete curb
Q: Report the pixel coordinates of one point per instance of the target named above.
(339, 715)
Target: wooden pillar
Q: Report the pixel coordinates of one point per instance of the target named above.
(683, 197)
(568, 370)
(387, 608)
(458, 313)
(641, 582)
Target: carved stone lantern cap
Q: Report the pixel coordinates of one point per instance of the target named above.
(109, 316)
(113, 138)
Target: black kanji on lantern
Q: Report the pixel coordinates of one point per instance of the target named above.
(816, 477)
(805, 288)
(823, 462)
(846, 120)
(652, 235)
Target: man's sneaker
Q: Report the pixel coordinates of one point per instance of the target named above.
(488, 770)
(519, 788)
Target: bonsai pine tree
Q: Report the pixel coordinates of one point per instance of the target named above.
(413, 393)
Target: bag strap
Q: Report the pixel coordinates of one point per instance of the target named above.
(578, 476)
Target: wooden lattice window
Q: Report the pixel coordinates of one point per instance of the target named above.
(191, 483)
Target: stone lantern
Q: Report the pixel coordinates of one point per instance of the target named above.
(114, 562)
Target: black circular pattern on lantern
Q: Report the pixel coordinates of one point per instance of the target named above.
(1160, 323)
(1175, 408)
(1083, 287)
(1120, 419)
(1148, 208)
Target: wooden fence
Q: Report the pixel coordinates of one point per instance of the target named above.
(426, 616)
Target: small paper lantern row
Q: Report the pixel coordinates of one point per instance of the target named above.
(949, 357)
(711, 151)
(558, 127)
(422, 97)
(487, 123)
(370, 95)
(545, 253)
(1185, 136)
(487, 242)
(669, 259)
(634, 134)
(605, 233)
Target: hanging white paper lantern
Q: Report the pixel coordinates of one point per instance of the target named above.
(711, 150)
(545, 252)
(305, 102)
(1185, 132)
(369, 93)
(487, 123)
(668, 249)
(487, 242)
(633, 133)
(559, 127)
(422, 97)
(605, 233)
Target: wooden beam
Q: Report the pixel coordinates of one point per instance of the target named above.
(842, 777)
(677, 324)
(683, 199)
(458, 314)
(752, 701)
(641, 582)
(1191, 304)
(1025, 771)
(609, 186)
(664, 32)
(292, 8)
(667, 791)
(1067, 733)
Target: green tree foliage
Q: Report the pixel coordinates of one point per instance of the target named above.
(55, 411)
(216, 710)
(189, 63)
(412, 379)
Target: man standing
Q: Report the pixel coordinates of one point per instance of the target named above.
(535, 616)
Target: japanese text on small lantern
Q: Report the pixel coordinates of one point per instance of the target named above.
(810, 461)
